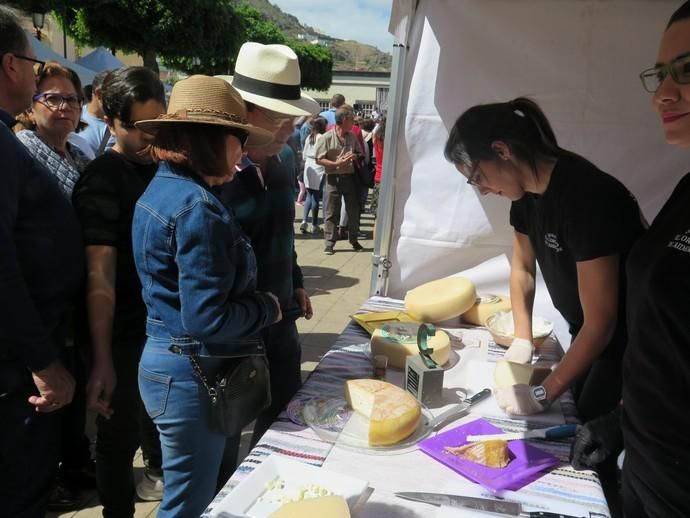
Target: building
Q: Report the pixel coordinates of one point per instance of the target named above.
(364, 91)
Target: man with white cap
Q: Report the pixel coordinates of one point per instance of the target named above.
(263, 198)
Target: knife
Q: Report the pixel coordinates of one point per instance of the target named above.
(461, 407)
(480, 504)
(554, 432)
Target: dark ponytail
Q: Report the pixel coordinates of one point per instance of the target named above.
(520, 123)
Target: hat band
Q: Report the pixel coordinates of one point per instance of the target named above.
(266, 89)
(204, 113)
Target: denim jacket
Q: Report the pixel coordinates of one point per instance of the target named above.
(197, 270)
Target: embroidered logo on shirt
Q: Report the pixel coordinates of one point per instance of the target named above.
(551, 241)
(681, 242)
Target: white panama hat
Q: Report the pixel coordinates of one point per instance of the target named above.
(269, 76)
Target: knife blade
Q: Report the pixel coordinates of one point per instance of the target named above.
(479, 504)
(554, 432)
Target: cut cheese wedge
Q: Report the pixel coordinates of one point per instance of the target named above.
(398, 351)
(485, 306)
(393, 413)
(509, 373)
(493, 454)
(321, 507)
(441, 299)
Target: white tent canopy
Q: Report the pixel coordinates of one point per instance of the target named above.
(579, 59)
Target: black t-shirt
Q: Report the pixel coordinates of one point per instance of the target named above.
(656, 368)
(584, 214)
(104, 198)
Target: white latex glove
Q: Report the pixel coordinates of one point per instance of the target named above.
(519, 400)
(520, 351)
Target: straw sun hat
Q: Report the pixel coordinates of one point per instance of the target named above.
(207, 100)
(269, 76)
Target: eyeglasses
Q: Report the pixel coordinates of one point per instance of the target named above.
(38, 70)
(241, 135)
(470, 170)
(476, 176)
(678, 68)
(275, 118)
(56, 101)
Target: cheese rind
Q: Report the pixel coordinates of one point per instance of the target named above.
(486, 306)
(330, 506)
(440, 299)
(509, 373)
(493, 454)
(397, 352)
(393, 413)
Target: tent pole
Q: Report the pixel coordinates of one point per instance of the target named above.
(384, 218)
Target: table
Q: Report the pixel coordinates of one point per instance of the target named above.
(562, 490)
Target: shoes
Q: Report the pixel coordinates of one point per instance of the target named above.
(150, 488)
(303, 227)
(63, 498)
(328, 250)
(356, 246)
(315, 229)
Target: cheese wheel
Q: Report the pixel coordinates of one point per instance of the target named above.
(330, 506)
(485, 306)
(509, 373)
(392, 412)
(440, 299)
(398, 351)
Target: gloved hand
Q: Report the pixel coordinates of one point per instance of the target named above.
(520, 351)
(519, 400)
(597, 440)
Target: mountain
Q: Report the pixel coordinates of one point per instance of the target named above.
(347, 54)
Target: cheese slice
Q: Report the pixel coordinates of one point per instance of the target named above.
(493, 454)
(485, 306)
(393, 413)
(397, 351)
(509, 373)
(321, 507)
(440, 299)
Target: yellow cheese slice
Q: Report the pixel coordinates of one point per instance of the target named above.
(392, 412)
(321, 507)
(440, 299)
(509, 373)
(485, 306)
(397, 352)
(493, 454)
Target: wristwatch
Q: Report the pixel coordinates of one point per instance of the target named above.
(540, 395)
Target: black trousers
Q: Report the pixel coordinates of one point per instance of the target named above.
(29, 446)
(284, 354)
(119, 437)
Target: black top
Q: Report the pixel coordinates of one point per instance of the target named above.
(41, 257)
(656, 369)
(584, 214)
(105, 197)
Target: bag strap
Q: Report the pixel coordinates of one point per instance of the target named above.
(104, 141)
(212, 393)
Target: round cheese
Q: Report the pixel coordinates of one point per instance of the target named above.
(440, 299)
(398, 350)
(392, 412)
(485, 306)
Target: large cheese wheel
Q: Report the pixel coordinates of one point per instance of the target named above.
(441, 299)
(485, 306)
(509, 373)
(321, 507)
(398, 351)
(393, 413)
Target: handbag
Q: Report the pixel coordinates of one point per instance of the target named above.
(363, 174)
(240, 392)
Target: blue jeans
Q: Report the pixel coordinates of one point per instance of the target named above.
(312, 204)
(181, 409)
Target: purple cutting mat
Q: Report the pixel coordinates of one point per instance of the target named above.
(527, 461)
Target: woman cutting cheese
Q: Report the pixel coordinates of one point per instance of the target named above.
(578, 223)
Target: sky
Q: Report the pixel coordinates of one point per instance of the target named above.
(365, 21)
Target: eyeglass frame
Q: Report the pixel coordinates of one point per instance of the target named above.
(41, 64)
(64, 100)
(665, 70)
(275, 118)
(476, 176)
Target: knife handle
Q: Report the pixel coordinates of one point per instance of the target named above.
(560, 432)
(479, 396)
(545, 514)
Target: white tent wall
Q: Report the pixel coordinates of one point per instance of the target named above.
(579, 59)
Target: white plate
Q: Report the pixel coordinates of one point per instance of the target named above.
(254, 498)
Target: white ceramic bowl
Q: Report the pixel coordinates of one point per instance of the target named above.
(544, 329)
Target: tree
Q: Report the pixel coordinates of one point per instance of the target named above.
(316, 65)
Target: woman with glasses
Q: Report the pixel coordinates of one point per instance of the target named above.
(578, 223)
(198, 274)
(656, 370)
(55, 114)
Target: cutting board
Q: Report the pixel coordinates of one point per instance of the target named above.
(527, 461)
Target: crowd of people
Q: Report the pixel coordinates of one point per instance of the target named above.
(160, 242)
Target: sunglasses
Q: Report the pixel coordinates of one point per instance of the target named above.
(40, 65)
(275, 118)
(56, 101)
(241, 135)
(679, 69)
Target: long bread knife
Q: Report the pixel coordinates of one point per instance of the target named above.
(554, 432)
